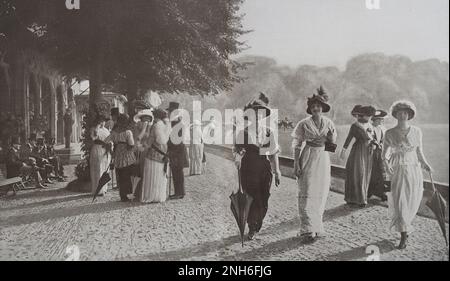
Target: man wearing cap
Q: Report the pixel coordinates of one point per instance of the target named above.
(177, 154)
(16, 166)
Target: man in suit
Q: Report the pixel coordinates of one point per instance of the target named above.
(177, 154)
(17, 167)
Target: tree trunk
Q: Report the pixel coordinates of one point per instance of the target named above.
(96, 78)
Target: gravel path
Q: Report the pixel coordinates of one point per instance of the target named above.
(42, 224)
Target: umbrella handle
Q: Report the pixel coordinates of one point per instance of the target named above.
(432, 182)
(239, 180)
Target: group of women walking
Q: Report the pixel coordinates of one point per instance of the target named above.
(387, 164)
(379, 162)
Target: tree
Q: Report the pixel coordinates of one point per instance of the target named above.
(163, 45)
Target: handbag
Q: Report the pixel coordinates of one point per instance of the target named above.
(330, 147)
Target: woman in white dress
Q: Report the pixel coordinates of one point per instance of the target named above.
(154, 177)
(403, 160)
(100, 157)
(196, 149)
(312, 165)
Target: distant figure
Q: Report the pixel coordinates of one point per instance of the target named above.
(124, 156)
(178, 154)
(359, 162)
(99, 157)
(113, 120)
(68, 123)
(312, 165)
(403, 160)
(196, 148)
(377, 178)
(156, 161)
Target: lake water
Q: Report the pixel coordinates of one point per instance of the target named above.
(435, 142)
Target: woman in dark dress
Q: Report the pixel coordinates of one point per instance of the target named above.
(359, 163)
(254, 151)
(377, 178)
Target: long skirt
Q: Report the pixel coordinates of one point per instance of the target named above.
(256, 179)
(196, 157)
(376, 186)
(405, 196)
(154, 183)
(359, 169)
(314, 186)
(99, 161)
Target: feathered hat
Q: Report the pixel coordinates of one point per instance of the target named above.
(262, 102)
(320, 98)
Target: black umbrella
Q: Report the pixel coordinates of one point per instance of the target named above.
(438, 205)
(240, 206)
(104, 179)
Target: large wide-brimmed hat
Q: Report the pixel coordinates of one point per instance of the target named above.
(262, 102)
(173, 106)
(403, 105)
(379, 114)
(142, 113)
(368, 110)
(320, 98)
(356, 110)
(363, 110)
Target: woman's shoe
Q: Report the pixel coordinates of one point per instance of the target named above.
(308, 238)
(403, 241)
(251, 235)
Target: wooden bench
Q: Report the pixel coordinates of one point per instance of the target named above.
(14, 184)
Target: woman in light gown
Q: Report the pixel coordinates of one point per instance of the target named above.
(196, 149)
(99, 157)
(312, 165)
(403, 160)
(154, 178)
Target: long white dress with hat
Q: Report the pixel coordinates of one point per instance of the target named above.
(407, 179)
(315, 179)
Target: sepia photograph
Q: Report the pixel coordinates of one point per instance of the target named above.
(224, 131)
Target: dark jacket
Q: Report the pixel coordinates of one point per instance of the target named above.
(177, 152)
(13, 163)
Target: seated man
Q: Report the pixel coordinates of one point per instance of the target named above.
(54, 160)
(16, 167)
(40, 154)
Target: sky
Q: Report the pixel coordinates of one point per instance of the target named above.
(329, 32)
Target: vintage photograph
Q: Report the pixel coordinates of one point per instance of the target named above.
(224, 130)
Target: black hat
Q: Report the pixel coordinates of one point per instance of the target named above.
(321, 98)
(173, 106)
(380, 114)
(356, 110)
(262, 102)
(368, 110)
(115, 111)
